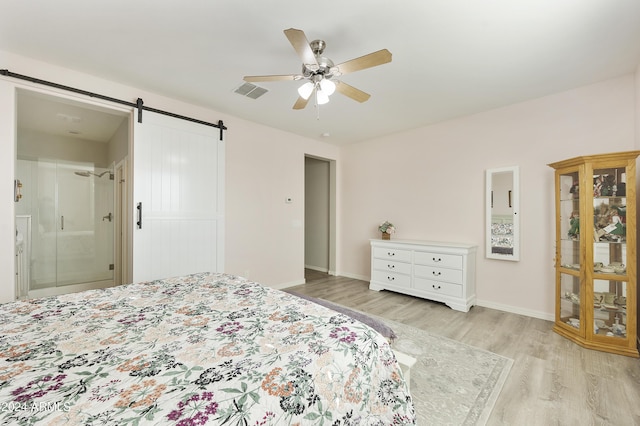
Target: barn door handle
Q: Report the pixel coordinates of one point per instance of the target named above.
(139, 222)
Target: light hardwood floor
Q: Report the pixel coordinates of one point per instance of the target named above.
(552, 382)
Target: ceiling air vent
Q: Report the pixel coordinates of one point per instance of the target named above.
(250, 90)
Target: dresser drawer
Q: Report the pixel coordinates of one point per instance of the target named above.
(438, 259)
(438, 287)
(392, 266)
(438, 274)
(392, 278)
(392, 254)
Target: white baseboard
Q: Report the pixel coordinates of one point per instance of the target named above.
(516, 310)
(354, 276)
(316, 268)
(287, 285)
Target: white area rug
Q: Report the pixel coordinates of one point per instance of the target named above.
(451, 383)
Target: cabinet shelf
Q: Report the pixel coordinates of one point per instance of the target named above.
(570, 300)
(595, 262)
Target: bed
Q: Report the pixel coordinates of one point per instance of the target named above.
(199, 349)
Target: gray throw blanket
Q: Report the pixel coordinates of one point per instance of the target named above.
(376, 324)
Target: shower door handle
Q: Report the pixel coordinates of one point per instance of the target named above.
(139, 222)
(62, 223)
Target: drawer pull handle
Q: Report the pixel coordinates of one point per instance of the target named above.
(435, 287)
(389, 253)
(439, 259)
(391, 278)
(437, 274)
(391, 266)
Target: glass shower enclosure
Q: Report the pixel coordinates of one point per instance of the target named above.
(69, 207)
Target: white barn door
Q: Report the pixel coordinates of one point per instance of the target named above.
(178, 194)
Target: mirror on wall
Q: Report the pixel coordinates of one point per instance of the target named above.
(502, 213)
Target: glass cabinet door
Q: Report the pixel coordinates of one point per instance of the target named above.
(610, 252)
(570, 312)
(610, 308)
(570, 288)
(569, 221)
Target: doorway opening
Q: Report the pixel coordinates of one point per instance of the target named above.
(319, 216)
(67, 159)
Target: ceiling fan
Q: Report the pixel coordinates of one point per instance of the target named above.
(320, 72)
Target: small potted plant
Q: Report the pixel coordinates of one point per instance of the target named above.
(387, 229)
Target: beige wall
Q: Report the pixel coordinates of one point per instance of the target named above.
(34, 145)
(430, 183)
(638, 107)
(7, 175)
(118, 146)
(264, 235)
(637, 146)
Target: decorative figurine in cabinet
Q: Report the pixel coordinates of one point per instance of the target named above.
(596, 285)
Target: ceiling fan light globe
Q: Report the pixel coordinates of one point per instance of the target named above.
(321, 97)
(305, 90)
(328, 87)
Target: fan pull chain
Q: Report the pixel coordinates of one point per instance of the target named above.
(317, 106)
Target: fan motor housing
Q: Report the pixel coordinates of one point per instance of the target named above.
(317, 46)
(324, 68)
(324, 64)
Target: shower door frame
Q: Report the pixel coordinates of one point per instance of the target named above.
(74, 235)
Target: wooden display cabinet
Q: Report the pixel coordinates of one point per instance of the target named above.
(596, 285)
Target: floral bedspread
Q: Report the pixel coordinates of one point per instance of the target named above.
(199, 349)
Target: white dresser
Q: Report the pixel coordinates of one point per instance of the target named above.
(444, 272)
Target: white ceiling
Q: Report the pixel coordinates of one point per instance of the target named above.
(450, 57)
(71, 119)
